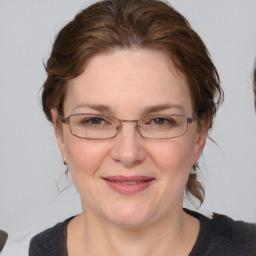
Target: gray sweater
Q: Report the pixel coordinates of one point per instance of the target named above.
(219, 236)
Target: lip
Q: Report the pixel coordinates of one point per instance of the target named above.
(128, 184)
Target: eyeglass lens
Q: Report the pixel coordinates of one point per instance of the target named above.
(90, 126)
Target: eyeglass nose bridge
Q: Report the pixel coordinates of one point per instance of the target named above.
(120, 125)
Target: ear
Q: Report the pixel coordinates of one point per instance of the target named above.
(201, 136)
(58, 132)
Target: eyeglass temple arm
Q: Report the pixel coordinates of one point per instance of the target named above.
(191, 119)
(63, 119)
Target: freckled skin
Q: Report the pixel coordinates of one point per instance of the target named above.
(127, 81)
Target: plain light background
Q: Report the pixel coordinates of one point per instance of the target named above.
(30, 164)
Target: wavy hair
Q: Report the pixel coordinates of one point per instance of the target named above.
(145, 24)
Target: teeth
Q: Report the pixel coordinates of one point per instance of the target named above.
(128, 182)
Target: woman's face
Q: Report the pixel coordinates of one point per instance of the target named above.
(128, 84)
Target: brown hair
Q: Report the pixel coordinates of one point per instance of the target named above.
(152, 24)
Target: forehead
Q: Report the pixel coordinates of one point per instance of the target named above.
(130, 79)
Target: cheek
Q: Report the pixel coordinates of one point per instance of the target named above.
(174, 164)
(85, 156)
(85, 159)
(173, 156)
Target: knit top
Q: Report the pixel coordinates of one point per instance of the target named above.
(218, 236)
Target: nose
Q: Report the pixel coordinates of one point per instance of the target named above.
(128, 148)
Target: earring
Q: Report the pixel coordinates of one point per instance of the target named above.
(64, 162)
(194, 167)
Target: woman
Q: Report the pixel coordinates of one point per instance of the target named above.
(132, 92)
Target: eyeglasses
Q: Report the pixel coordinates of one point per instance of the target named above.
(101, 127)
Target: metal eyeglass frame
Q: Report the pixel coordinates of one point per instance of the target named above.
(66, 120)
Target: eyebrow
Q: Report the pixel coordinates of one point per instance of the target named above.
(147, 110)
(157, 108)
(100, 107)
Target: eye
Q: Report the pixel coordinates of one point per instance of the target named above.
(94, 122)
(160, 122)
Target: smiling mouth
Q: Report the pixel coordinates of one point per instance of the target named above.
(128, 185)
(127, 182)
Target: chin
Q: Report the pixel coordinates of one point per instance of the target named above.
(129, 216)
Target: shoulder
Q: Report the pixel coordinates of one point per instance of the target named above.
(241, 236)
(221, 235)
(51, 241)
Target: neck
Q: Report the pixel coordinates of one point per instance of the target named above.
(176, 235)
